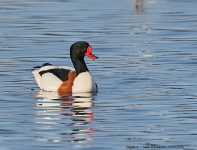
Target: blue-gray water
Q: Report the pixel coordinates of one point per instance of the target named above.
(146, 74)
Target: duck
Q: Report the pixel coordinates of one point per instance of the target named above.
(77, 79)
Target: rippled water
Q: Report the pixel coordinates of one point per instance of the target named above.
(146, 74)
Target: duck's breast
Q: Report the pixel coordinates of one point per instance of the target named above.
(84, 82)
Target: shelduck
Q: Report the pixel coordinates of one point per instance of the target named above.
(68, 79)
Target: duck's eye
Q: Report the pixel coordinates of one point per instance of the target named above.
(82, 47)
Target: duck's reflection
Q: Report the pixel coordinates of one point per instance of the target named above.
(72, 110)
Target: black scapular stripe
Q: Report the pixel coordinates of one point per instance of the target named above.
(61, 73)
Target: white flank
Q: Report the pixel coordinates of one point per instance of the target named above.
(46, 68)
(50, 82)
(37, 77)
(66, 67)
(84, 82)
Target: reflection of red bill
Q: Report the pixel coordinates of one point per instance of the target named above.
(89, 53)
(90, 115)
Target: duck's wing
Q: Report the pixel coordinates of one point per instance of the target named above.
(49, 77)
(36, 71)
(60, 73)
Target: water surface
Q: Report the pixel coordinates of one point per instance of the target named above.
(146, 74)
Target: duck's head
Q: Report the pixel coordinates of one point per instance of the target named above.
(80, 50)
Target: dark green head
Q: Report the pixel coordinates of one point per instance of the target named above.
(78, 51)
